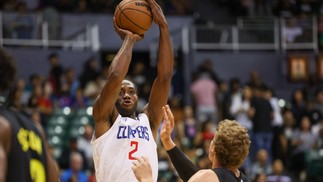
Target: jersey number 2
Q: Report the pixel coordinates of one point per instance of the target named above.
(133, 143)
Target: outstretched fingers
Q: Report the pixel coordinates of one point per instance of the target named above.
(170, 116)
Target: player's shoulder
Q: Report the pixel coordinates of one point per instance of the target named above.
(206, 175)
(5, 131)
(4, 123)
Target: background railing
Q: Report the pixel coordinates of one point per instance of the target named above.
(249, 33)
(35, 31)
(256, 34)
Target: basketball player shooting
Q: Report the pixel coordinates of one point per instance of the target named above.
(121, 135)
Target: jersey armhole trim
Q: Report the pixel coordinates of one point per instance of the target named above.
(95, 140)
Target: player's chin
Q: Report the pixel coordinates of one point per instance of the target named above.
(127, 107)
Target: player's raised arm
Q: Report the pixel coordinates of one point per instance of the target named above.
(160, 89)
(104, 111)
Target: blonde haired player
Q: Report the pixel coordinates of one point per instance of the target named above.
(227, 151)
(121, 134)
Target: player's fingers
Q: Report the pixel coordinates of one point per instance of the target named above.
(139, 160)
(169, 114)
(165, 114)
(153, 4)
(145, 159)
(135, 163)
(116, 28)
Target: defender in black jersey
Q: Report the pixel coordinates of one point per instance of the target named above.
(227, 152)
(23, 151)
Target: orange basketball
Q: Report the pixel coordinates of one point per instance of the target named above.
(133, 15)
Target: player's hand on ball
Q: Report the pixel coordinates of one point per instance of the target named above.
(123, 33)
(158, 14)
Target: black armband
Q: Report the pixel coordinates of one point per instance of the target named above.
(183, 165)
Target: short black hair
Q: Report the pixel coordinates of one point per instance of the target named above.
(8, 70)
(52, 55)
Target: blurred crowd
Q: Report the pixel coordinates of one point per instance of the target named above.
(171, 7)
(280, 8)
(287, 135)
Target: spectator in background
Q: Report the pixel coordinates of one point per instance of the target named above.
(277, 117)
(318, 132)
(55, 73)
(302, 141)
(239, 109)
(9, 5)
(205, 135)
(53, 18)
(203, 90)
(84, 144)
(80, 100)
(222, 94)
(298, 106)
(320, 30)
(41, 99)
(285, 8)
(65, 5)
(261, 114)
(34, 79)
(255, 80)
(283, 137)
(311, 87)
(292, 30)
(63, 98)
(317, 126)
(23, 24)
(72, 82)
(74, 172)
(82, 7)
(228, 97)
(240, 106)
(15, 96)
(207, 66)
(90, 71)
(64, 160)
(313, 113)
(139, 73)
(261, 165)
(177, 89)
(319, 101)
(190, 127)
(260, 177)
(278, 173)
(93, 88)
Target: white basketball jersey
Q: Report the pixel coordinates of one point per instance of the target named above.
(115, 150)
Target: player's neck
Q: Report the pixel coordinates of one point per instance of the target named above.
(133, 116)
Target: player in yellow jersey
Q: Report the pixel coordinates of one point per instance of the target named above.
(23, 149)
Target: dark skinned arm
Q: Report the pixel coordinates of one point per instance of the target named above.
(104, 111)
(161, 86)
(5, 140)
